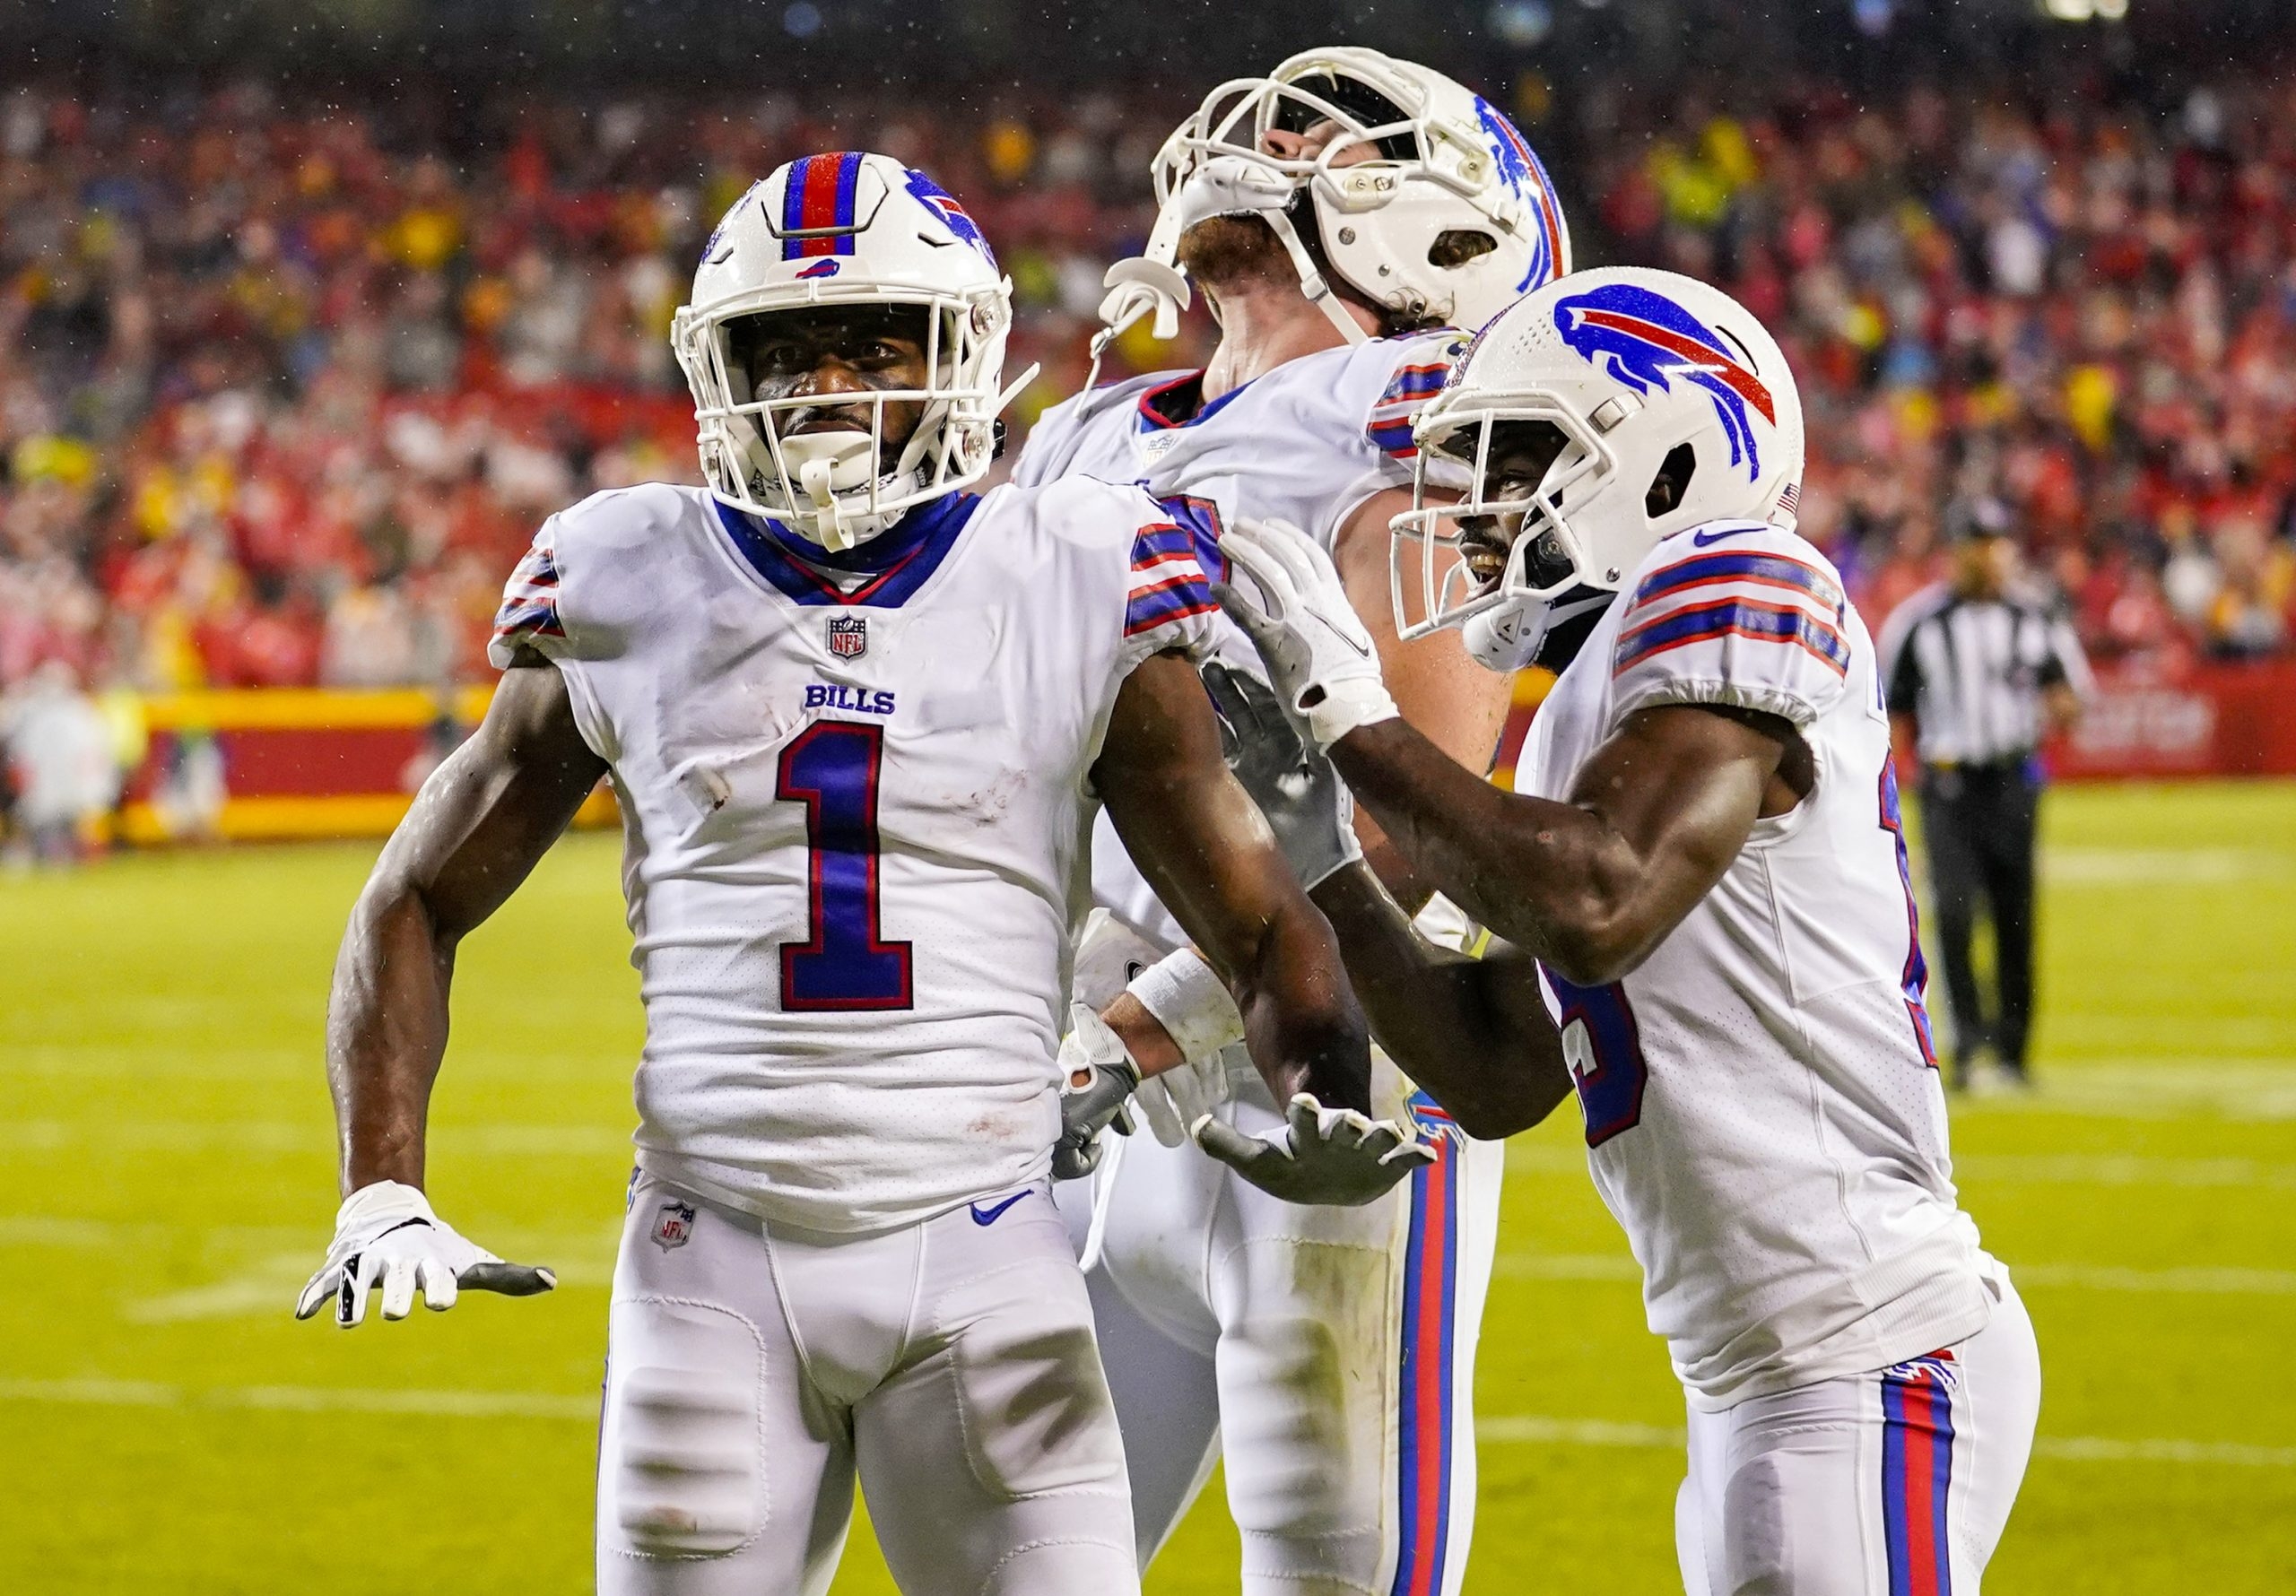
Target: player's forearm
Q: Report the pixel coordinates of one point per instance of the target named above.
(1301, 1023)
(1473, 1033)
(386, 1031)
(1457, 706)
(1549, 877)
(477, 827)
(1143, 1035)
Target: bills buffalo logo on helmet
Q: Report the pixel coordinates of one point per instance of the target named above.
(944, 205)
(1525, 178)
(1642, 338)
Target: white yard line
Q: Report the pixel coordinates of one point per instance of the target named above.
(2193, 1279)
(2051, 1169)
(1534, 1430)
(1502, 1429)
(271, 1136)
(305, 1399)
(2121, 1169)
(268, 1287)
(2164, 867)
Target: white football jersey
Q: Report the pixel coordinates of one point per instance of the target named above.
(1306, 443)
(1761, 1098)
(856, 815)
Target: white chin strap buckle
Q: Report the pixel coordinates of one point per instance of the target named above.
(827, 464)
(813, 479)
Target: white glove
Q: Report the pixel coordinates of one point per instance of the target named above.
(1319, 654)
(1307, 806)
(386, 1233)
(1178, 1097)
(1321, 1155)
(1096, 1080)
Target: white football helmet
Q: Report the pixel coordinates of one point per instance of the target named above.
(847, 228)
(1449, 217)
(1640, 372)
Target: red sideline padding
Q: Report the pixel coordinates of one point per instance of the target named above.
(2195, 719)
(305, 762)
(2205, 719)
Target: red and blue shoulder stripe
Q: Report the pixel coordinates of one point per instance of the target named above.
(1732, 617)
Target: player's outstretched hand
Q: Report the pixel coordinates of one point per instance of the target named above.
(386, 1235)
(1306, 805)
(1096, 1080)
(1321, 1155)
(1319, 654)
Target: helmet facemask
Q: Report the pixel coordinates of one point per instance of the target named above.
(836, 486)
(1439, 544)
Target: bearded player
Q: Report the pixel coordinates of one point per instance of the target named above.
(1339, 217)
(1708, 929)
(859, 722)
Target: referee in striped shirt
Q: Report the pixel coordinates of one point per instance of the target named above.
(1982, 668)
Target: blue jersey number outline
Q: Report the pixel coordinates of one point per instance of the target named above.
(1914, 980)
(845, 964)
(1610, 1092)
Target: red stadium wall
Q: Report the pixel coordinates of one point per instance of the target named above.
(304, 762)
(2202, 720)
(2197, 720)
(320, 763)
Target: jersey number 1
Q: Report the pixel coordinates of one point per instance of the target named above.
(844, 963)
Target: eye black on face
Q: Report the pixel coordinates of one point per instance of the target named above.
(782, 346)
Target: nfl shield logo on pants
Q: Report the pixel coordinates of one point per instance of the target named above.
(674, 1225)
(848, 635)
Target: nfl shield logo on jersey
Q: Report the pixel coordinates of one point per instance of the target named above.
(848, 635)
(674, 1225)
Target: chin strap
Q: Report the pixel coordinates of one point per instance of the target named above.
(1311, 280)
(814, 482)
(1012, 389)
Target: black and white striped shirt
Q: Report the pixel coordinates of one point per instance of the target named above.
(1970, 672)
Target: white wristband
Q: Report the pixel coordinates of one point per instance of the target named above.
(1190, 1002)
(384, 1200)
(1347, 705)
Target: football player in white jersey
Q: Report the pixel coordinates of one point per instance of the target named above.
(1707, 928)
(858, 722)
(1340, 216)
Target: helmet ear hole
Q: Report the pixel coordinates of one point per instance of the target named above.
(1672, 481)
(1457, 245)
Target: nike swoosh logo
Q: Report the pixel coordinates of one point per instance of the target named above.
(1703, 541)
(991, 1215)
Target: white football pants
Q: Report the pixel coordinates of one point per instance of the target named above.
(753, 1369)
(1895, 1483)
(1328, 1352)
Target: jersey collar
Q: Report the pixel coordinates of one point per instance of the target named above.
(901, 560)
(1161, 407)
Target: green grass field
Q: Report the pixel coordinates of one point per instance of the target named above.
(167, 1183)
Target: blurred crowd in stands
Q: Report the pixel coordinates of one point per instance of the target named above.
(286, 383)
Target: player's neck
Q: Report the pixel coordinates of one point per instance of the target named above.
(1263, 325)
